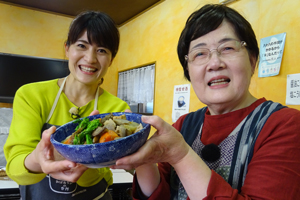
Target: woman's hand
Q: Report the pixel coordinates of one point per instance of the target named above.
(166, 145)
(45, 159)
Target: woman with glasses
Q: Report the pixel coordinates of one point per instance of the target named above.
(238, 146)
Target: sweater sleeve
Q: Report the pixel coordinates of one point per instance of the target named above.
(24, 135)
(163, 189)
(274, 171)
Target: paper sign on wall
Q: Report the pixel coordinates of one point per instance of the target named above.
(271, 51)
(293, 89)
(181, 101)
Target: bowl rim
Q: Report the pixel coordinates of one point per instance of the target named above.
(54, 141)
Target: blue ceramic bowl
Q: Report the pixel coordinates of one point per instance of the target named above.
(100, 154)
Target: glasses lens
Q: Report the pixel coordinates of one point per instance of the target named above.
(229, 48)
(199, 56)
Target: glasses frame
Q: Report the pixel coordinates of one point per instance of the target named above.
(242, 43)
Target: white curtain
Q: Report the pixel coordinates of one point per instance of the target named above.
(137, 85)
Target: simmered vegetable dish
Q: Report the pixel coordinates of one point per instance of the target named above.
(101, 130)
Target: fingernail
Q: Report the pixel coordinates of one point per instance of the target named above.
(67, 172)
(144, 117)
(119, 163)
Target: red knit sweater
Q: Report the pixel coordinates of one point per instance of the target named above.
(274, 171)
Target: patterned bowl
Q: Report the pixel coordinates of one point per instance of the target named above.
(101, 154)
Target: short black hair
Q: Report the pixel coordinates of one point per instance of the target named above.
(100, 27)
(209, 18)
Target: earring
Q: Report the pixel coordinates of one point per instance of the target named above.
(102, 79)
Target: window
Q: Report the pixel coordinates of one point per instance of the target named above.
(136, 87)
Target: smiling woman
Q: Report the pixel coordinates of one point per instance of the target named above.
(32, 162)
(238, 146)
(88, 63)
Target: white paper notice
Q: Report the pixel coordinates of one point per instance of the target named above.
(181, 101)
(293, 89)
(270, 56)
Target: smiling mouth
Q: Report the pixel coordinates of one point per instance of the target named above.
(87, 69)
(219, 82)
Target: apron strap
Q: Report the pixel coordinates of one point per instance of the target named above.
(246, 139)
(56, 100)
(58, 95)
(96, 99)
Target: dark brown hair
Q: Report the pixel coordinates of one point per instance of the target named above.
(100, 28)
(209, 18)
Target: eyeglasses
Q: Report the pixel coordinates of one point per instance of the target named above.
(228, 49)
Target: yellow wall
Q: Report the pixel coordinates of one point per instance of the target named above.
(32, 33)
(152, 37)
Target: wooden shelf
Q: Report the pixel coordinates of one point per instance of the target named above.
(6, 105)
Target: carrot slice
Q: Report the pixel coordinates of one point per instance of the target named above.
(108, 136)
(68, 140)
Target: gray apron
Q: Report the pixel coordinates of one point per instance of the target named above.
(54, 189)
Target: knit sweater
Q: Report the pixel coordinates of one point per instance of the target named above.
(31, 107)
(274, 171)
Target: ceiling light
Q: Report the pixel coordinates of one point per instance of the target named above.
(226, 1)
